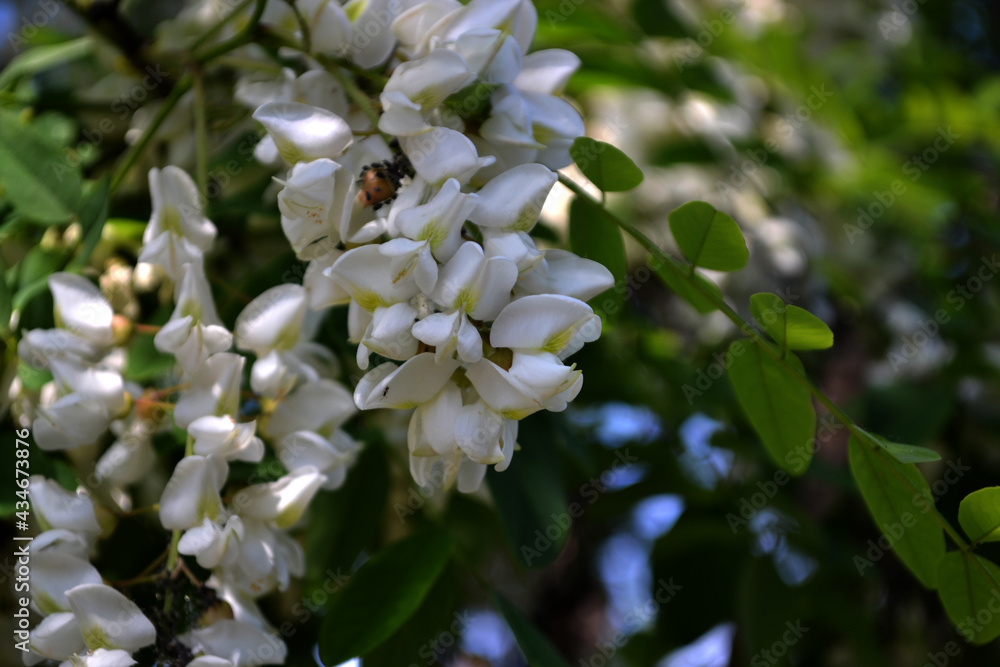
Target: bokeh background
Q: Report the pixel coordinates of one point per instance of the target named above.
(857, 145)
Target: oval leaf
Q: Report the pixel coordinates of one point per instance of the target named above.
(979, 515)
(594, 236)
(382, 595)
(779, 408)
(36, 176)
(791, 327)
(968, 587)
(899, 500)
(536, 648)
(606, 166)
(708, 238)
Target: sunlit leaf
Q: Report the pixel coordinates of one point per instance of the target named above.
(979, 515)
(606, 166)
(969, 587)
(707, 237)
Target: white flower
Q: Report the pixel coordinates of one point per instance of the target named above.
(57, 637)
(513, 200)
(211, 545)
(108, 619)
(367, 275)
(272, 321)
(331, 456)
(52, 574)
(54, 507)
(321, 406)
(223, 437)
(564, 273)
(81, 308)
(268, 558)
(407, 386)
(477, 285)
(178, 232)
(303, 133)
(103, 658)
(389, 335)
(241, 644)
(546, 71)
(192, 494)
(443, 153)
(194, 331)
(550, 323)
(214, 390)
(62, 541)
(534, 382)
(428, 81)
(70, 421)
(283, 502)
(312, 204)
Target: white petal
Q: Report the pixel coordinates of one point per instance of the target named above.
(312, 204)
(302, 132)
(367, 274)
(477, 432)
(104, 658)
(545, 323)
(55, 507)
(52, 574)
(192, 493)
(80, 307)
(442, 154)
(60, 540)
(57, 637)
(440, 220)
(470, 476)
(401, 116)
(389, 332)
(502, 392)
(241, 644)
(215, 389)
(126, 461)
(323, 291)
(108, 619)
(321, 406)
(566, 274)
(429, 80)
(406, 386)
(177, 210)
(281, 502)
(272, 321)
(547, 71)
(432, 426)
(514, 199)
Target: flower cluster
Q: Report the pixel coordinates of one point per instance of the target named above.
(422, 227)
(418, 219)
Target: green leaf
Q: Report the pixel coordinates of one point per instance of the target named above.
(791, 327)
(594, 236)
(382, 595)
(909, 453)
(968, 585)
(93, 213)
(779, 408)
(979, 515)
(35, 175)
(536, 648)
(684, 290)
(707, 237)
(606, 166)
(42, 58)
(530, 498)
(899, 500)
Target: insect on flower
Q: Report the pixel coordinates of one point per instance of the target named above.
(380, 181)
